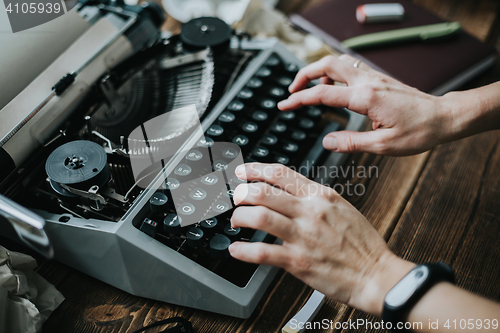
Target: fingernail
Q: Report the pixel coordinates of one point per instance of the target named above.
(330, 142)
(232, 247)
(240, 194)
(283, 104)
(240, 170)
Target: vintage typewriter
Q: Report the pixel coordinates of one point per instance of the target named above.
(69, 142)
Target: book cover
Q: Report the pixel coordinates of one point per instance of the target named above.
(434, 66)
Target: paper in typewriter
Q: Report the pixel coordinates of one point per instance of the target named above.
(198, 172)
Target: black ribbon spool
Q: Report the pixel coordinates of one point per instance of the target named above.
(206, 32)
(77, 164)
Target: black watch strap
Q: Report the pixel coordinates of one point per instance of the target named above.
(406, 293)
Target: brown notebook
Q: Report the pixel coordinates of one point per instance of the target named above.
(435, 67)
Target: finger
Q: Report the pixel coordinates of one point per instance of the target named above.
(262, 218)
(352, 61)
(329, 66)
(274, 174)
(262, 194)
(335, 96)
(260, 253)
(353, 142)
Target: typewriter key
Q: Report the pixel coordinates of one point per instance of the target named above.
(306, 123)
(219, 245)
(282, 159)
(230, 153)
(194, 155)
(314, 112)
(215, 131)
(259, 116)
(292, 68)
(241, 140)
(268, 104)
(263, 72)
(220, 165)
(287, 116)
(298, 135)
(186, 209)
(194, 237)
(269, 140)
(158, 203)
(272, 61)
(277, 92)
(285, 81)
(227, 117)
(183, 170)
(221, 207)
(249, 127)
(172, 184)
(231, 232)
(205, 142)
(236, 106)
(210, 179)
(290, 147)
(209, 224)
(198, 194)
(260, 154)
(172, 224)
(278, 128)
(254, 83)
(245, 94)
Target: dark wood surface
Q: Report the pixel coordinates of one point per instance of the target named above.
(442, 204)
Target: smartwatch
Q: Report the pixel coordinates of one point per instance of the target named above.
(405, 294)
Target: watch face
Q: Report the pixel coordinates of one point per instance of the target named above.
(405, 288)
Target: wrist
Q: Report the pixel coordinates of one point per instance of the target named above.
(471, 112)
(453, 119)
(385, 274)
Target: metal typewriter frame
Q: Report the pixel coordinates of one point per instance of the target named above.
(123, 256)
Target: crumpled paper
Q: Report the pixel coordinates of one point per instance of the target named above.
(26, 299)
(230, 11)
(260, 20)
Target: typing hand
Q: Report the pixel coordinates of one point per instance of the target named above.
(327, 243)
(405, 120)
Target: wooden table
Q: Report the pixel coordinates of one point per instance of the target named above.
(443, 204)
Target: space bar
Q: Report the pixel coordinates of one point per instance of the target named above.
(317, 152)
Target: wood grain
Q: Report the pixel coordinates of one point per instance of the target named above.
(454, 215)
(434, 205)
(476, 17)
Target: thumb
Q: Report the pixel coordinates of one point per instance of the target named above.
(353, 142)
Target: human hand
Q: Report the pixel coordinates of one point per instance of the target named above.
(327, 243)
(405, 120)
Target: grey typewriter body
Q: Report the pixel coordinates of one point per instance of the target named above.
(119, 253)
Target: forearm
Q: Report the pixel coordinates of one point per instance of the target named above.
(443, 308)
(473, 111)
(450, 309)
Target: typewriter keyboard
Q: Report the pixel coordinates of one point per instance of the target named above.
(252, 127)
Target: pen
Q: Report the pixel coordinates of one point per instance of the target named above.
(424, 32)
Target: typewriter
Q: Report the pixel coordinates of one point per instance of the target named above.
(77, 148)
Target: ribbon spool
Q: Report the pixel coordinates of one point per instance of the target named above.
(205, 32)
(77, 164)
